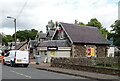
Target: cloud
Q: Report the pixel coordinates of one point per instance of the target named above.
(37, 13)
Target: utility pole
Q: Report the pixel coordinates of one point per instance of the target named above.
(14, 25)
(15, 31)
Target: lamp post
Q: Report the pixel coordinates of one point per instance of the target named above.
(14, 25)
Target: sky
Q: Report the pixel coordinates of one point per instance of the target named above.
(36, 13)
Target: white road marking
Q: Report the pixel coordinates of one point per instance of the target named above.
(22, 74)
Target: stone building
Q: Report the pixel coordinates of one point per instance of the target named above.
(85, 41)
(40, 37)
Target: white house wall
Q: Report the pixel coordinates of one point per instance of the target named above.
(111, 51)
(58, 54)
(61, 52)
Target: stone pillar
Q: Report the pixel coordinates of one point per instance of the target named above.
(73, 50)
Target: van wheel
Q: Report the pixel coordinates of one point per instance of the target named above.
(12, 64)
(25, 65)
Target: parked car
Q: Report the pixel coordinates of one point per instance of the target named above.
(17, 57)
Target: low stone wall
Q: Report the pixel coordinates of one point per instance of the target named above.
(88, 64)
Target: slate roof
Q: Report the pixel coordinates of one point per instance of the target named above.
(42, 35)
(59, 43)
(83, 34)
(33, 43)
(20, 45)
(50, 32)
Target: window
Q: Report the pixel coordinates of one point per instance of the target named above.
(61, 35)
(7, 54)
(42, 53)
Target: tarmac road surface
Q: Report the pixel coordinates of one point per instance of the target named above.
(32, 73)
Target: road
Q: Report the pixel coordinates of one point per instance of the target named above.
(32, 73)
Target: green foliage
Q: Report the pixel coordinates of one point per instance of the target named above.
(115, 32)
(104, 32)
(51, 25)
(95, 23)
(79, 23)
(6, 39)
(33, 33)
(10, 38)
(76, 21)
(24, 35)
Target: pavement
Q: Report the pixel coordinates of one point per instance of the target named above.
(94, 76)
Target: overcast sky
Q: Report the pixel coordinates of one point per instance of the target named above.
(37, 13)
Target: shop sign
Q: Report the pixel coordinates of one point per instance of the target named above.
(53, 48)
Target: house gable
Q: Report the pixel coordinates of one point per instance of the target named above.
(49, 34)
(79, 34)
(61, 35)
(22, 46)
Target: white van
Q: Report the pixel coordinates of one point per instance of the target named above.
(17, 57)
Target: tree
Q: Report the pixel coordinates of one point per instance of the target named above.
(6, 39)
(95, 23)
(10, 38)
(33, 33)
(24, 35)
(115, 32)
(56, 24)
(51, 25)
(104, 32)
(79, 23)
(76, 21)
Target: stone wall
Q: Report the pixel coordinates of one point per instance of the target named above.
(88, 64)
(102, 50)
(80, 50)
